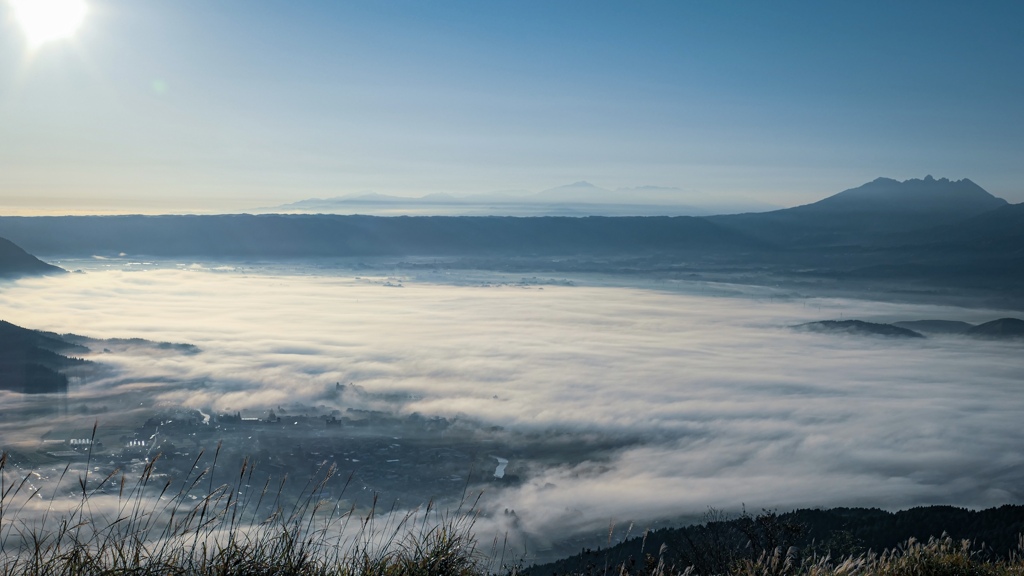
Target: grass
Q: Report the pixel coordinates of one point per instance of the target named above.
(155, 527)
(939, 556)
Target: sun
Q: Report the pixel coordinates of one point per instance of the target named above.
(47, 20)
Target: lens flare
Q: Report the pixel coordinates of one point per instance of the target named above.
(48, 20)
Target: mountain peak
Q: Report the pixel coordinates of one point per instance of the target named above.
(961, 198)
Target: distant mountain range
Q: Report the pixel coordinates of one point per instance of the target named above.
(935, 232)
(327, 235)
(881, 214)
(576, 199)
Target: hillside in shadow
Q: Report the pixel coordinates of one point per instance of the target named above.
(33, 362)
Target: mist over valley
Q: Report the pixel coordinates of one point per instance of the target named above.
(639, 397)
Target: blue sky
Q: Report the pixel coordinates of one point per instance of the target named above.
(159, 105)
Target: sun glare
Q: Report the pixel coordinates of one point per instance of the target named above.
(47, 20)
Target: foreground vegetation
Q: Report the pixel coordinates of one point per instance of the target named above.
(939, 556)
(154, 527)
(157, 526)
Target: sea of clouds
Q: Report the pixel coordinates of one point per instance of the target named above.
(729, 405)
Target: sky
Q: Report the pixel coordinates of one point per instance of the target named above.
(197, 106)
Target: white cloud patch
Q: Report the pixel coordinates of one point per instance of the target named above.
(730, 405)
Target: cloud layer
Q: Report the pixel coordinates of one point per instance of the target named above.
(731, 406)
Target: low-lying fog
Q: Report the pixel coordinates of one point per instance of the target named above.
(729, 405)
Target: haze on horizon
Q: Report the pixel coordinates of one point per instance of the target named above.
(229, 106)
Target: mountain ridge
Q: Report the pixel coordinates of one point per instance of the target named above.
(580, 198)
(983, 252)
(318, 235)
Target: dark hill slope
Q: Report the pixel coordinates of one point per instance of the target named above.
(1000, 230)
(332, 235)
(16, 262)
(30, 361)
(1001, 328)
(984, 251)
(861, 215)
(710, 547)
